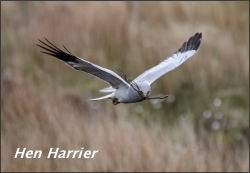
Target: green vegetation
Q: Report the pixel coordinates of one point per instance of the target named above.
(202, 126)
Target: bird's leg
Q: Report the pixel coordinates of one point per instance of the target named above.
(115, 102)
(157, 97)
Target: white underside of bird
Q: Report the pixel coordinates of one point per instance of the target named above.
(122, 90)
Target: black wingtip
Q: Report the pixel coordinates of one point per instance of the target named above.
(193, 43)
(51, 49)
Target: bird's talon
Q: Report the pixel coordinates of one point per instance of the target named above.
(115, 102)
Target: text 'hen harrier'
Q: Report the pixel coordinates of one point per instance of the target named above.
(121, 90)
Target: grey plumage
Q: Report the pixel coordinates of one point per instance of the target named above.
(79, 64)
(121, 90)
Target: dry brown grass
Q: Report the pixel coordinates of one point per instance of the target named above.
(44, 103)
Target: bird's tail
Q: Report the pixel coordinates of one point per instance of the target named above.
(107, 90)
(104, 97)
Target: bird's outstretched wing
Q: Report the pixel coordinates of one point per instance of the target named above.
(187, 50)
(80, 64)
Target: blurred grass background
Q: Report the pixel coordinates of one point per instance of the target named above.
(202, 126)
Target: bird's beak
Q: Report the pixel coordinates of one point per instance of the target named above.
(145, 94)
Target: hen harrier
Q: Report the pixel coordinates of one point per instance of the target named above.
(122, 90)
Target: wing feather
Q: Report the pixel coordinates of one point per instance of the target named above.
(80, 64)
(187, 50)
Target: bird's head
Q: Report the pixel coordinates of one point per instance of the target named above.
(143, 89)
(146, 94)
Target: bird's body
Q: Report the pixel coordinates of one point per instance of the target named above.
(121, 90)
(132, 94)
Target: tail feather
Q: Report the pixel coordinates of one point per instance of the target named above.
(107, 90)
(104, 97)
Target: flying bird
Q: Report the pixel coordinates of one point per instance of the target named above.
(122, 90)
